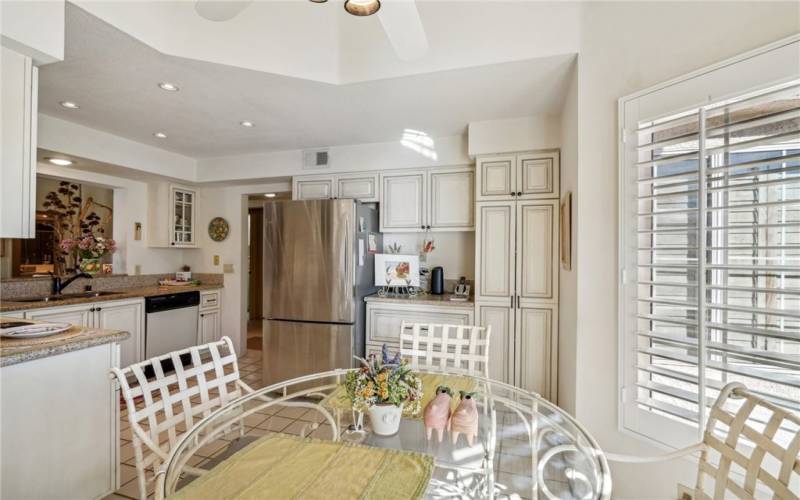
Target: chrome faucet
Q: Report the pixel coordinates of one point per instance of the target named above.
(58, 285)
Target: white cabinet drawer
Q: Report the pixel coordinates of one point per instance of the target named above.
(384, 319)
(209, 300)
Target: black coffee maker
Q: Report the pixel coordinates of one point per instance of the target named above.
(437, 280)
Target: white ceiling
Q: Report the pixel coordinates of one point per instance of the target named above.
(114, 78)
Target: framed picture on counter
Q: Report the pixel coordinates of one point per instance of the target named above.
(396, 270)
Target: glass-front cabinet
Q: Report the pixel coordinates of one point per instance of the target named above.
(182, 217)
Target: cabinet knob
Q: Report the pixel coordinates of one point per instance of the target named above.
(202, 315)
(513, 193)
(422, 226)
(99, 309)
(91, 310)
(173, 243)
(519, 193)
(428, 227)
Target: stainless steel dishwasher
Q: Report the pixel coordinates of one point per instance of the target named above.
(171, 322)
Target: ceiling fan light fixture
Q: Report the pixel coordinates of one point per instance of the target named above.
(362, 7)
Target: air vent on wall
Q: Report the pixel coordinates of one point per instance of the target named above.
(316, 159)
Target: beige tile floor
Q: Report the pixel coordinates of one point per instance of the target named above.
(512, 459)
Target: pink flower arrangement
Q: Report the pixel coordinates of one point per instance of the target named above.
(89, 247)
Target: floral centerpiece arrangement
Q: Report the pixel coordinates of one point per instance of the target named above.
(385, 387)
(91, 248)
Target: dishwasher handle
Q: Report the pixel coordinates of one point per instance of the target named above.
(171, 301)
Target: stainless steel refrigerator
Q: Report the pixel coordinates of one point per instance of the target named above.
(317, 270)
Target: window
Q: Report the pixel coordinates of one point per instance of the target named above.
(710, 234)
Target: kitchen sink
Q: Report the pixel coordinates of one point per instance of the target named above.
(63, 296)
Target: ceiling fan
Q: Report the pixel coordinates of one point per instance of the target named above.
(399, 18)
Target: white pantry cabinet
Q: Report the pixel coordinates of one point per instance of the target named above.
(516, 267)
(125, 315)
(357, 186)
(172, 216)
(18, 110)
(436, 199)
(524, 176)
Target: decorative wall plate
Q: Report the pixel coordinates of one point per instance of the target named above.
(218, 229)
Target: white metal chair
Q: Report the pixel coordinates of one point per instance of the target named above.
(738, 459)
(458, 349)
(176, 401)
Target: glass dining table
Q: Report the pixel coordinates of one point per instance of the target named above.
(526, 447)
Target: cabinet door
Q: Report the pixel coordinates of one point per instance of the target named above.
(536, 350)
(126, 316)
(496, 177)
(451, 201)
(76, 315)
(182, 221)
(403, 202)
(362, 187)
(537, 251)
(209, 327)
(18, 105)
(494, 252)
(313, 189)
(537, 175)
(384, 319)
(501, 347)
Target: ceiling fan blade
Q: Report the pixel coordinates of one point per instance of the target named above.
(220, 10)
(403, 26)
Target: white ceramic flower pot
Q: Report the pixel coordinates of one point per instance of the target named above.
(385, 419)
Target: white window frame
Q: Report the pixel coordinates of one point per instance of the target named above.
(762, 68)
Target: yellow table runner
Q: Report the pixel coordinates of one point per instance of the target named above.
(339, 399)
(282, 466)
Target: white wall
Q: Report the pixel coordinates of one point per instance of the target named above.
(229, 202)
(357, 157)
(455, 252)
(515, 134)
(84, 142)
(35, 29)
(628, 46)
(130, 206)
(568, 284)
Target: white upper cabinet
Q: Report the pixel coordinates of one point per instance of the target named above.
(172, 216)
(526, 176)
(537, 256)
(436, 199)
(312, 188)
(362, 187)
(403, 197)
(451, 203)
(356, 186)
(18, 106)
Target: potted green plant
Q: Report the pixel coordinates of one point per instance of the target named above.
(386, 388)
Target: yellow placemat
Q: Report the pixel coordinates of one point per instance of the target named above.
(282, 466)
(339, 399)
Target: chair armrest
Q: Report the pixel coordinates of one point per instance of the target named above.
(633, 459)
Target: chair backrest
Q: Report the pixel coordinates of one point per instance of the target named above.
(173, 403)
(754, 445)
(460, 349)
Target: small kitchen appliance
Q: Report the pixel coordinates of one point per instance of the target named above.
(437, 280)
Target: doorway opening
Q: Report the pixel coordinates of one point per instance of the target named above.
(256, 307)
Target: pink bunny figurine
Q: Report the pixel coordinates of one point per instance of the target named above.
(437, 412)
(465, 418)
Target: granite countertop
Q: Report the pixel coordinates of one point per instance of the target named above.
(428, 299)
(15, 351)
(126, 293)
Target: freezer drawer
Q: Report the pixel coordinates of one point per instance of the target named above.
(294, 348)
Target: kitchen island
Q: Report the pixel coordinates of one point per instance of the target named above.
(59, 414)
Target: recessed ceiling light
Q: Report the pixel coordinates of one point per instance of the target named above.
(62, 162)
(270, 195)
(318, 1)
(69, 105)
(160, 135)
(362, 7)
(169, 87)
(246, 123)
